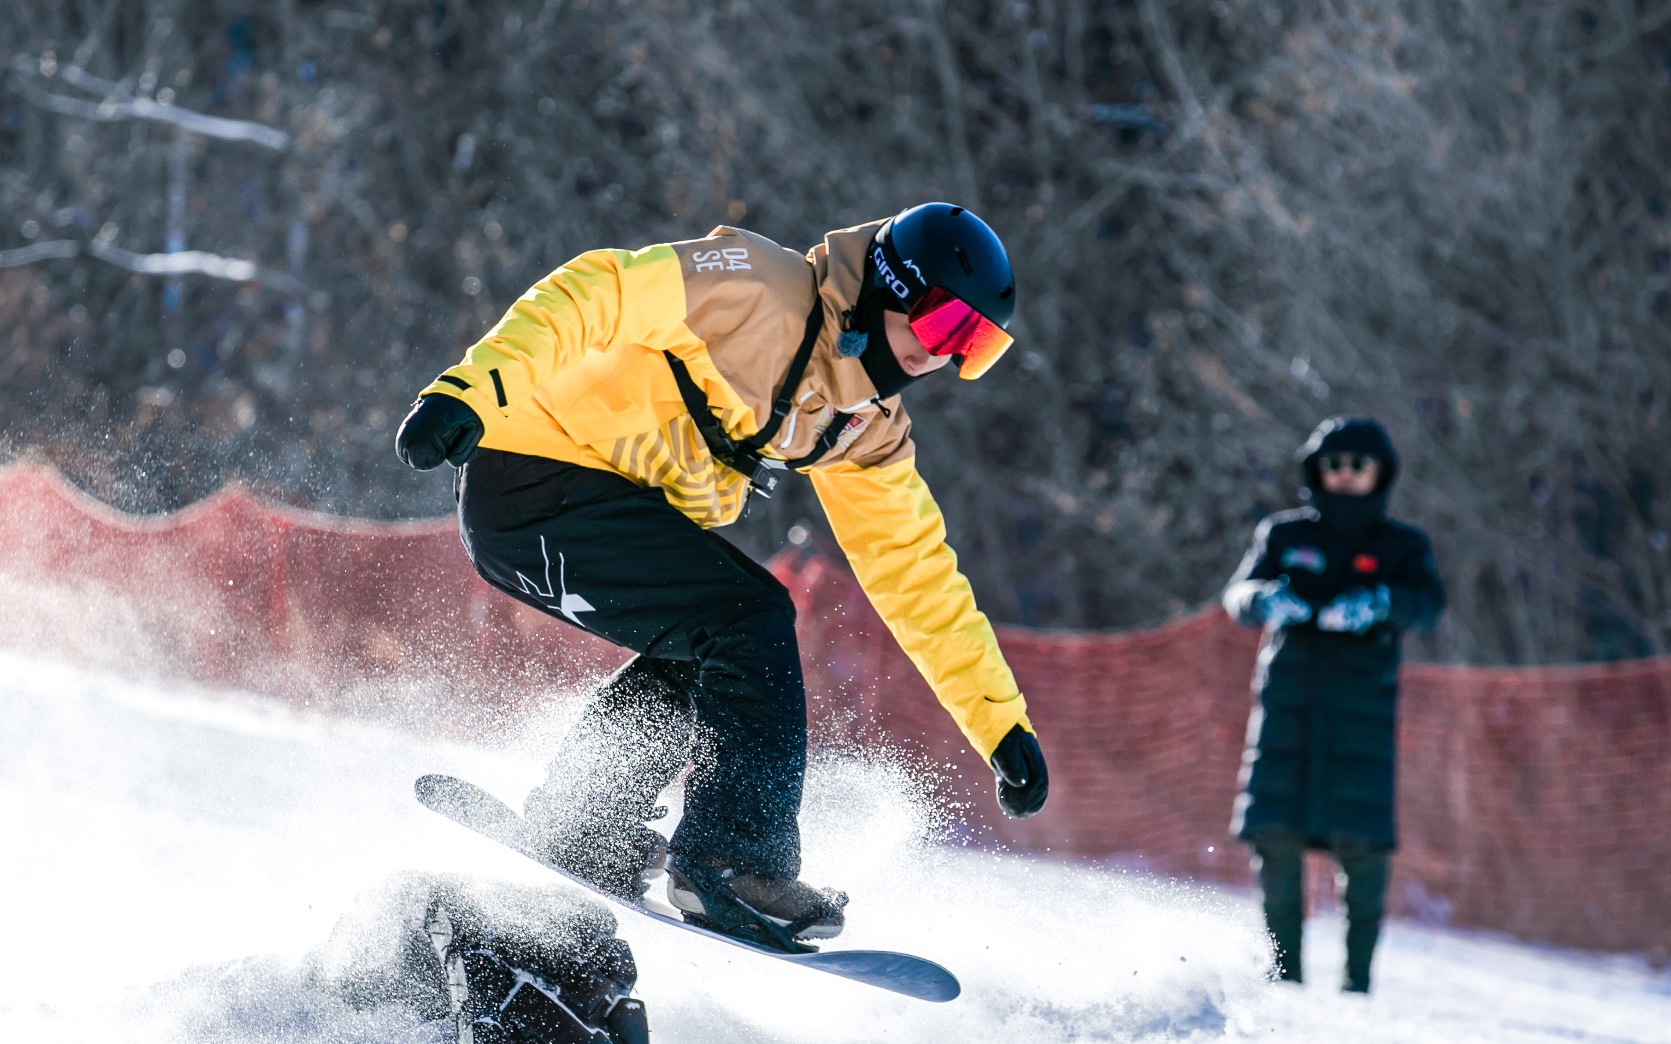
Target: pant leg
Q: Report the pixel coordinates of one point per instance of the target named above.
(1279, 863)
(606, 555)
(629, 743)
(1364, 870)
(743, 797)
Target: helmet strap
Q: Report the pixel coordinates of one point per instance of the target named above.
(867, 332)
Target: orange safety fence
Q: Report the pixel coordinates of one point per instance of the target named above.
(1535, 801)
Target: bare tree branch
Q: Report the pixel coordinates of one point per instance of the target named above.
(46, 251)
(111, 109)
(196, 263)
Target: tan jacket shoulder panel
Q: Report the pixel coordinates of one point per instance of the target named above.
(746, 299)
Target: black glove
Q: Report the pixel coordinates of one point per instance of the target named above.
(1023, 782)
(440, 429)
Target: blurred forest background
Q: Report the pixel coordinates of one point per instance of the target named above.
(236, 238)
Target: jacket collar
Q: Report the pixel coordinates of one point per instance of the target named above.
(838, 265)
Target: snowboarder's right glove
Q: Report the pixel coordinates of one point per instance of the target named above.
(1279, 607)
(1023, 782)
(440, 429)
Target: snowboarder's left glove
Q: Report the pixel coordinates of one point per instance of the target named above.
(1356, 611)
(1023, 782)
(440, 429)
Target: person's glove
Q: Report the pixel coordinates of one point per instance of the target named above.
(1279, 607)
(1023, 782)
(439, 430)
(1356, 611)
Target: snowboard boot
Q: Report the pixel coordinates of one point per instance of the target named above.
(601, 786)
(776, 912)
(612, 851)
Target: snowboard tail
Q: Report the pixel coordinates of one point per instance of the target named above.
(474, 808)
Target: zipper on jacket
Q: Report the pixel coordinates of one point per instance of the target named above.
(877, 402)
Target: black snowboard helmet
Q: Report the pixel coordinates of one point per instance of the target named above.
(947, 270)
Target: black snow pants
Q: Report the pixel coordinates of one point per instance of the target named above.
(1279, 862)
(717, 679)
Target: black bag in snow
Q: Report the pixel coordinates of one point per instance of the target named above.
(495, 962)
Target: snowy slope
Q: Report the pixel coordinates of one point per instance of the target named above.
(171, 858)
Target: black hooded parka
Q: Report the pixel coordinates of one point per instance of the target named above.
(1323, 737)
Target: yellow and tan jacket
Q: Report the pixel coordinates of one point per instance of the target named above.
(574, 372)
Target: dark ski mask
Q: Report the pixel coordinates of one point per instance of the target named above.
(878, 359)
(883, 368)
(1350, 515)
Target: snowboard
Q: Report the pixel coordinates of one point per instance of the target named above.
(470, 806)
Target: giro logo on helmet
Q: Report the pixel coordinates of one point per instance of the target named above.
(885, 272)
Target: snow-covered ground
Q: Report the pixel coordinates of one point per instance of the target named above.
(170, 858)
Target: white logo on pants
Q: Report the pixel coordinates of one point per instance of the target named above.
(560, 599)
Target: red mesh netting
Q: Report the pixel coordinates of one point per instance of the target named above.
(1535, 801)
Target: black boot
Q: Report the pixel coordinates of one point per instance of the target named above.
(1279, 862)
(777, 912)
(1364, 887)
(609, 848)
(589, 816)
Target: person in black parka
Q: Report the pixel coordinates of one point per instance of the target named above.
(1334, 584)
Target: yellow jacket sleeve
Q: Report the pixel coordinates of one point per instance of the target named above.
(601, 299)
(893, 533)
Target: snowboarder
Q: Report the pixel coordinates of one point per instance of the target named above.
(1334, 585)
(627, 405)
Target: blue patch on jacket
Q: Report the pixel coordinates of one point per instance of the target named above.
(1308, 558)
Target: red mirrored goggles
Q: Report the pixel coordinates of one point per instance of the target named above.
(947, 326)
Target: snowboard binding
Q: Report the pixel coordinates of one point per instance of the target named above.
(613, 851)
(725, 912)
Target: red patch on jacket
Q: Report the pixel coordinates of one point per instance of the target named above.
(1366, 563)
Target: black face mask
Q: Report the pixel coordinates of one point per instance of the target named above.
(883, 368)
(880, 363)
(1352, 516)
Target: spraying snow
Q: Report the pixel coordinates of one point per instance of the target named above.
(175, 862)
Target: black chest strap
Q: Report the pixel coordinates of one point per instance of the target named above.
(743, 455)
